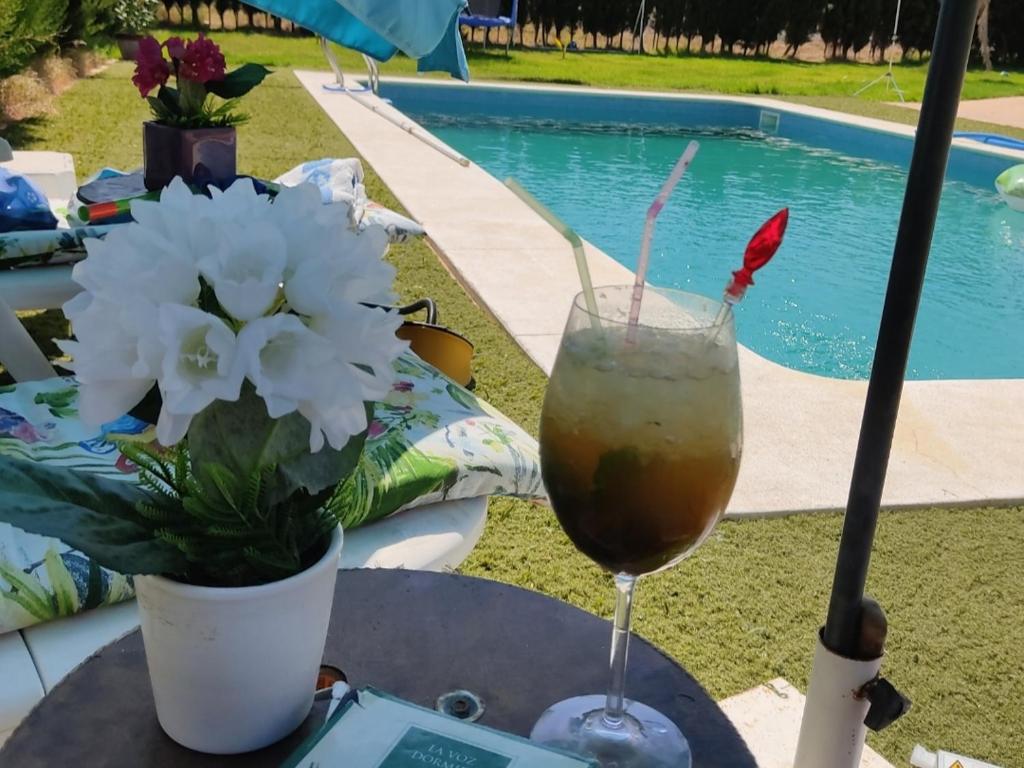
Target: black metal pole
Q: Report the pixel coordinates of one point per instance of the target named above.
(910, 257)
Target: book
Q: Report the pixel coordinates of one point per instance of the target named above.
(376, 730)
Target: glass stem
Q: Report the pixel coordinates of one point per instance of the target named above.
(615, 705)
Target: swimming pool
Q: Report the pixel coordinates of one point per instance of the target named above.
(598, 162)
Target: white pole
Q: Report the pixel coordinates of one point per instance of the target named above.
(832, 731)
(411, 128)
(640, 26)
(896, 25)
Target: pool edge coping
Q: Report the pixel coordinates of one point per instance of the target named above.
(876, 124)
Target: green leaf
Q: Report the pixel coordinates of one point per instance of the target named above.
(190, 96)
(243, 439)
(61, 402)
(30, 607)
(170, 99)
(87, 512)
(65, 593)
(239, 82)
(121, 588)
(160, 111)
(27, 592)
(463, 397)
(400, 474)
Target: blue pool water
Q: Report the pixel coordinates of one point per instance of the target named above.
(816, 306)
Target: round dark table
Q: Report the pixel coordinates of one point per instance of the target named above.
(411, 633)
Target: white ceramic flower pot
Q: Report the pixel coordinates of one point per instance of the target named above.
(234, 669)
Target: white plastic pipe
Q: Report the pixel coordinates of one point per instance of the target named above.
(832, 731)
(18, 352)
(37, 287)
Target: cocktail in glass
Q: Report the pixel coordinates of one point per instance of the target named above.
(641, 434)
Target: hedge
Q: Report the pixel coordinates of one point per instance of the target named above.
(28, 27)
(31, 27)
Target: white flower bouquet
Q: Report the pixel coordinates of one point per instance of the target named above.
(254, 321)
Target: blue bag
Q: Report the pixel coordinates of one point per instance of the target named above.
(22, 205)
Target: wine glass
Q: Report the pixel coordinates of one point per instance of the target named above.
(640, 441)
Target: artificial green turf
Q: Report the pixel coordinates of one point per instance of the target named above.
(745, 607)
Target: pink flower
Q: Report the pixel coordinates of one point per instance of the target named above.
(175, 47)
(402, 386)
(376, 429)
(26, 433)
(151, 69)
(202, 61)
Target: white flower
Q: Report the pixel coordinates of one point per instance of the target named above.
(135, 262)
(239, 203)
(295, 368)
(364, 338)
(312, 227)
(245, 265)
(284, 360)
(171, 218)
(293, 276)
(365, 346)
(355, 272)
(184, 221)
(200, 364)
(115, 359)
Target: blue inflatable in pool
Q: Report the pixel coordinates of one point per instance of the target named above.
(993, 139)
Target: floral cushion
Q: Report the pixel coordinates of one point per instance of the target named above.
(429, 440)
(339, 181)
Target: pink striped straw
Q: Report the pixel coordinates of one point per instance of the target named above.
(645, 243)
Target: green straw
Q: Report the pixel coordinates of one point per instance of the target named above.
(569, 234)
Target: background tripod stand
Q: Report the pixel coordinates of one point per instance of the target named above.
(887, 77)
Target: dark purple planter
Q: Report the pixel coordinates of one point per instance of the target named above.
(129, 46)
(195, 154)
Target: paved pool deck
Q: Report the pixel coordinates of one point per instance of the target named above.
(956, 442)
(1003, 110)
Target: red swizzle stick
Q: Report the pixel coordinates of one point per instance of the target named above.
(760, 249)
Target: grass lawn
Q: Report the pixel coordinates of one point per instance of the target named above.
(719, 74)
(746, 607)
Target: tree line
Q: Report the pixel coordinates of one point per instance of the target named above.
(846, 27)
(752, 26)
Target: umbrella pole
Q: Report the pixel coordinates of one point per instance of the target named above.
(855, 628)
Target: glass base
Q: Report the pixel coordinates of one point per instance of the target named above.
(644, 739)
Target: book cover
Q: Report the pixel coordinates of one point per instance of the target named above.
(380, 731)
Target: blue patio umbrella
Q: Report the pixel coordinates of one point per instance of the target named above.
(425, 30)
